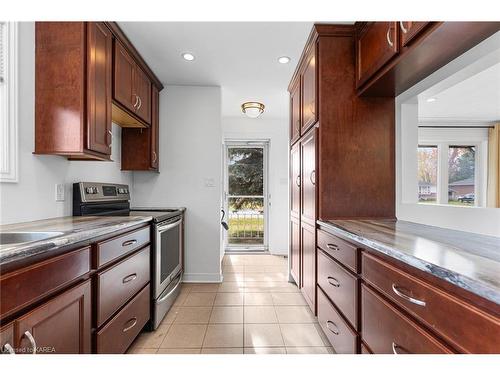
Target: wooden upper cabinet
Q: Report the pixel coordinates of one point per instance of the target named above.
(142, 89)
(410, 29)
(377, 43)
(295, 112)
(99, 57)
(308, 177)
(123, 87)
(309, 102)
(155, 128)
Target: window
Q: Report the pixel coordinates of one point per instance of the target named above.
(8, 102)
(461, 175)
(427, 173)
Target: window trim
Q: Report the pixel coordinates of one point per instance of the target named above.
(9, 153)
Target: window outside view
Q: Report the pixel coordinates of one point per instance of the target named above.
(427, 173)
(461, 179)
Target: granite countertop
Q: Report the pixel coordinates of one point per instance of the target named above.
(73, 231)
(467, 260)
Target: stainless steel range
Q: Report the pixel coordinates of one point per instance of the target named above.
(102, 199)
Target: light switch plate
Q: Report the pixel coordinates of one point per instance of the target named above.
(60, 192)
(209, 182)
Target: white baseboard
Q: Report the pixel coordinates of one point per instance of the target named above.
(202, 278)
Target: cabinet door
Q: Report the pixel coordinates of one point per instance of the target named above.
(309, 104)
(7, 339)
(295, 249)
(410, 29)
(142, 88)
(308, 287)
(295, 181)
(308, 178)
(377, 43)
(99, 57)
(295, 112)
(155, 127)
(124, 67)
(60, 326)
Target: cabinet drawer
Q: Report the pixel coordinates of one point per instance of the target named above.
(458, 322)
(117, 284)
(340, 335)
(341, 250)
(7, 339)
(340, 286)
(115, 247)
(385, 330)
(116, 336)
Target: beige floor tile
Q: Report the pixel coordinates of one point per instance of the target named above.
(229, 268)
(233, 259)
(300, 335)
(179, 351)
(233, 277)
(184, 336)
(322, 335)
(295, 314)
(260, 314)
(265, 350)
(277, 268)
(222, 351)
(263, 335)
(181, 298)
(171, 315)
(186, 287)
(151, 340)
(265, 277)
(193, 315)
(141, 351)
(209, 287)
(231, 287)
(288, 299)
(200, 299)
(259, 299)
(309, 350)
(252, 268)
(229, 299)
(227, 314)
(224, 336)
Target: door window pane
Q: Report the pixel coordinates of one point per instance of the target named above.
(461, 175)
(246, 171)
(246, 221)
(427, 173)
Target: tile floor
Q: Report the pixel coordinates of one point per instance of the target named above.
(253, 311)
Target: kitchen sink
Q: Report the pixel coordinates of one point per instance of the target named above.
(7, 238)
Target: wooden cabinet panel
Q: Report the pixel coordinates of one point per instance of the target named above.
(295, 181)
(119, 283)
(295, 111)
(409, 30)
(343, 339)
(99, 74)
(308, 278)
(309, 102)
(60, 326)
(365, 350)
(117, 335)
(377, 43)
(7, 339)
(460, 323)
(123, 82)
(142, 88)
(340, 286)
(295, 255)
(386, 330)
(155, 129)
(343, 251)
(308, 177)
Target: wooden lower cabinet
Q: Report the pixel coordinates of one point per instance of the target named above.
(308, 246)
(295, 255)
(60, 326)
(7, 339)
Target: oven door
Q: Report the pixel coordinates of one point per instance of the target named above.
(168, 253)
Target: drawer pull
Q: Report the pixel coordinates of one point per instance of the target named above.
(329, 325)
(8, 349)
(129, 278)
(333, 281)
(332, 247)
(399, 293)
(129, 324)
(31, 339)
(129, 242)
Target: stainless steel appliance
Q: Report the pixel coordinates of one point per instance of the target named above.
(101, 199)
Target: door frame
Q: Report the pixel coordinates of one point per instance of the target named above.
(247, 143)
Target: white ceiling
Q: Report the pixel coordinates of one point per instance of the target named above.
(240, 57)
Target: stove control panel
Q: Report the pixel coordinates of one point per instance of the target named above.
(96, 191)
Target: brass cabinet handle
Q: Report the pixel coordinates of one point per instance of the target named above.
(154, 157)
(129, 278)
(333, 281)
(129, 324)
(312, 177)
(8, 349)
(129, 242)
(332, 246)
(403, 28)
(395, 349)
(136, 101)
(388, 36)
(140, 103)
(335, 330)
(398, 292)
(31, 339)
(297, 180)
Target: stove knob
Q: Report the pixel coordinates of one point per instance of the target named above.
(88, 190)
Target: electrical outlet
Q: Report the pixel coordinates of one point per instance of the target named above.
(60, 192)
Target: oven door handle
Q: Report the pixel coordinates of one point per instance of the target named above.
(163, 298)
(165, 227)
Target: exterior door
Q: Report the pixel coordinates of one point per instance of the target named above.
(308, 177)
(245, 195)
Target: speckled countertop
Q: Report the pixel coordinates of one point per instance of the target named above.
(73, 231)
(468, 260)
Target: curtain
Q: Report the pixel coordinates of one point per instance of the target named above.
(493, 192)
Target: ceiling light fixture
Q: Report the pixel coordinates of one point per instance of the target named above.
(430, 100)
(283, 60)
(188, 56)
(252, 109)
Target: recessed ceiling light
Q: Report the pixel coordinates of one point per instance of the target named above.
(252, 109)
(284, 60)
(430, 100)
(188, 56)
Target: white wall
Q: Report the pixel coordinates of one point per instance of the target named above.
(190, 159)
(33, 197)
(276, 131)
